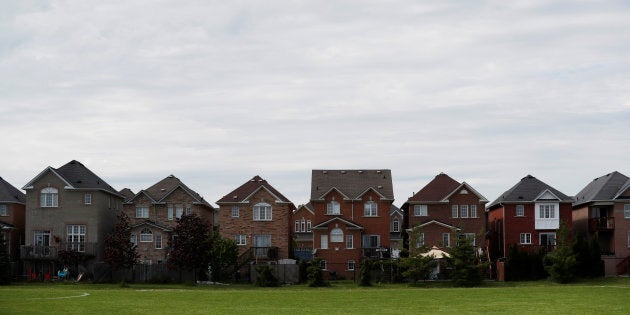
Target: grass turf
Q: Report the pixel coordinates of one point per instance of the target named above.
(606, 296)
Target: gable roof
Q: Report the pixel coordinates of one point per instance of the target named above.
(623, 189)
(127, 193)
(76, 176)
(349, 224)
(162, 189)
(436, 190)
(603, 188)
(436, 222)
(307, 207)
(10, 194)
(152, 224)
(244, 192)
(352, 183)
(528, 189)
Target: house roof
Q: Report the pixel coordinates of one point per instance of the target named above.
(436, 222)
(307, 207)
(528, 189)
(603, 188)
(352, 183)
(244, 192)
(348, 223)
(77, 176)
(162, 189)
(6, 226)
(152, 224)
(10, 194)
(127, 193)
(441, 186)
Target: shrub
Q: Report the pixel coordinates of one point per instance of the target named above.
(266, 277)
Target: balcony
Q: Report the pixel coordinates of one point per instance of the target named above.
(375, 252)
(257, 253)
(601, 224)
(35, 252)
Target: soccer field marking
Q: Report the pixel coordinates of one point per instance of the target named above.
(84, 294)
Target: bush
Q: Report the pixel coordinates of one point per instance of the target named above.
(366, 273)
(315, 274)
(266, 277)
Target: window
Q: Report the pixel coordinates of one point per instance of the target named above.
(87, 198)
(526, 238)
(262, 212)
(333, 208)
(297, 225)
(75, 236)
(547, 211)
(4, 211)
(188, 210)
(235, 212)
(322, 264)
(370, 209)
(420, 211)
(547, 239)
(626, 211)
(142, 212)
(351, 264)
(336, 235)
(628, 238)
(396, 225)
(241, 239)
(473, 211)
(308, 225)
(324, 241)
(446, 239)
(303, 225)
(158, 241)
(464, 209)
(133, 239)
(520, 210)
(49, 198)
(455, 211)
(371, 241)
(170, 212)
(179, 211)
(349, 241)
(471, 238)
(420, 240)
(146, 235)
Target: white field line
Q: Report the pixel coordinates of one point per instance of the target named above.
(84, 294)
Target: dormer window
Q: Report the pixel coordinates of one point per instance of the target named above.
(333, 208)
(49, 197)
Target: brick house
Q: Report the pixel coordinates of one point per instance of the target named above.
(258, 218)
(527, 215)
(396, 219)
(443, 209)
(352, 217)
(68, 209)
(602, 208)
(12, 214)
(302, 219)
(153, 213)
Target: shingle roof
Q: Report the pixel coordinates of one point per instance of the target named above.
(352, 183)
(128, 193)
(436, 190)
(166, 186)
(603, 188)
(527, 190)
(241, 193)
(10, 194)
(308, 207)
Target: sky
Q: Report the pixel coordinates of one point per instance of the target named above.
(216, 92)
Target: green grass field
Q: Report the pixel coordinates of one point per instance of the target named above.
(604, 296)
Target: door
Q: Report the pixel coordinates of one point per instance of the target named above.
(261, 244)
(42, 243)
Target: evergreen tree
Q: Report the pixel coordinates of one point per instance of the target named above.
(315, 274)
(223, 255)
(417, 268)
(120, 253)
(265, 277)
(561, 262)
(365, 275)
(191, 244)
(465, 263)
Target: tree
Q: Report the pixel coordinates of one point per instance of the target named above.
(560, 263)
(315, 274)
(466, 266)
(265, 277)
(365, 274)
(417, 268)
(5, 261)
(191, 244)
(223, 255)
(120, 252)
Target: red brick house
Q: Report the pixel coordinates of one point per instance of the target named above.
(153, 213)
(527, 215)
(258, 217)
(602, 208)
(12, 214)
(352, 217)
(443, 209)
(302, 219)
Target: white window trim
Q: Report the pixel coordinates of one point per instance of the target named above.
(4, 211)
(296, 228)
(525, 239)
(370, 209)
(522, 211)
(540, 235)
(241, 239)
(87, 198)
(351, 265)
(626, 211)
(333, 208)
(142, 212)
(324, 241)
(454, 211)
(235, 212)
(262, 212)
(308, 225)
(54, 197)
(446, 239)
(473, 211)
(170, 212)
(336, 235)
(464, 211)
(420, 211)
(158, 241)
(349, 240)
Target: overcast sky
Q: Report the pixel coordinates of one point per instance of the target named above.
(216, 92)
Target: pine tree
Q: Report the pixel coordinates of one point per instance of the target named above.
(560, 263)
(223, 254)
(417, 268)
(465, 263)
(120, 253)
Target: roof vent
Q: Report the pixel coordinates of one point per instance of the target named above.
(234, 197)
(171, 176)
(378, 171)
(343, 172)
(380, 187)
(360, 172)
(325, 172)
(163, 189)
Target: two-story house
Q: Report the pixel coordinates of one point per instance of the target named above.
(527, 215)
(153, 213)
(68, 209)
(443, 209)
(12, 214)
(258, 218)
(302, 219)
(602, 208)
(352, 217)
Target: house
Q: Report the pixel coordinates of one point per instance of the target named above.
(153, 213)
(352, 217)
(602, 208)
(258, 218)
(396, 219)
(527, 215)
(69, 212)
(12, 214)
(442, 210)
(302, 219)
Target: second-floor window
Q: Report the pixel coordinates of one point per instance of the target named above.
(332, 208)
(370, 209)
(420, 240)
(520, 210)
(308, 225)
(336, 235)
(420, 211)
(170, 212)
(235, 212)
(454, 211)
(179, 211)
(262, 212)
(88, 199)
(396, 225)
(142, 212)
(158, 241)
(626, 211)
(75, 236)
(303, 225)
(4, 211)
(133, 239)
(297, 225)
(49, 197)
(464, 209)
(446, 239)
(547, 211)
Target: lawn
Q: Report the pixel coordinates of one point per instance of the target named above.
(605, 296)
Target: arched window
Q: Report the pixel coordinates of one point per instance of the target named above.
(146, 235)
(333, 208)
(336, 235)
(262, 212)
(396, 225)
(49, 197)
